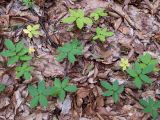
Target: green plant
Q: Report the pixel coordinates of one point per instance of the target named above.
(70, 50)
(98, 13)
(32, 30)
(60, 88)
(28, 3)
(2, 87)
(15, 52)
(39, 94)
(78, 16)
(102, 33)
(150, 106)
(140, 70)
(112, 90)
(24, 70)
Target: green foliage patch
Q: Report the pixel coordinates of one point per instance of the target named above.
(70, 50)
(16, 52)
(60, 88)
(139, 70)
(112, 90)
(2, 87)
(78, 16)
(28, 3)
(150, 106)
(99, 12)
(102, 33)
(24, 70)
(39, 94)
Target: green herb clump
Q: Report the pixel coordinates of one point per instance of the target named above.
(139, 70)
(150, 106)
(32, 30)
(60, 88)
(98, 13)
(112, 90)
(102, 33)
(69, 51)
(78, 16)
(39, 94)
(24, 70)
(2, 87)
(28, 3)
(15, 52)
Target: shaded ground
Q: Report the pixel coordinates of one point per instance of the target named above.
(136, 25)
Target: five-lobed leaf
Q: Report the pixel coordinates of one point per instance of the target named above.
(69, 50)
(112, 90)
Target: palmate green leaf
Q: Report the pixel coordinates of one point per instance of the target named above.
(108, 93)
(115, 97)
(19, 46)
(70, 19)
(52, 90)
(33, 91)
(145, 79)
(87, 21)
(25, 58)
(80, 23)
(143, 102)
(9, 44)
(131, 72)
(57, 83)
(120, 89)
(80, 13)
(27, 75)
(20, 73)
(8, 53)
(149, 68)
(115, 85)
(137, 68)
(150, 106)
(138, 83)
(146, 58)
(43, 100)
(61, 95)
(71, 58)
(109, 34)
(65, 82)
(70, 50)
(70, 88)
(23, 52)
(34, 102)
(13, 60)
(61, 57)
(106, 85)
(95, 16)
(41, 87)
(2, 87)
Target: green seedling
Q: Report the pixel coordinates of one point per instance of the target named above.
(32, 30)
(60, 88)
(15, 52)
(140, 70)
(28, 3)
(70, 50)
(24, 70)
(102, 33)
(112, 90)
(98, 13)
(78, 16)
(2, 87)
(150, 106)
(39, 94)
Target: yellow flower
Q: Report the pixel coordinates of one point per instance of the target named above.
(32, 30)
(31, 50)
(124, 63)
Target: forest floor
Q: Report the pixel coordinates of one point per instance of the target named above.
(136, 28)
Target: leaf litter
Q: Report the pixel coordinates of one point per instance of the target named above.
(135, 24)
